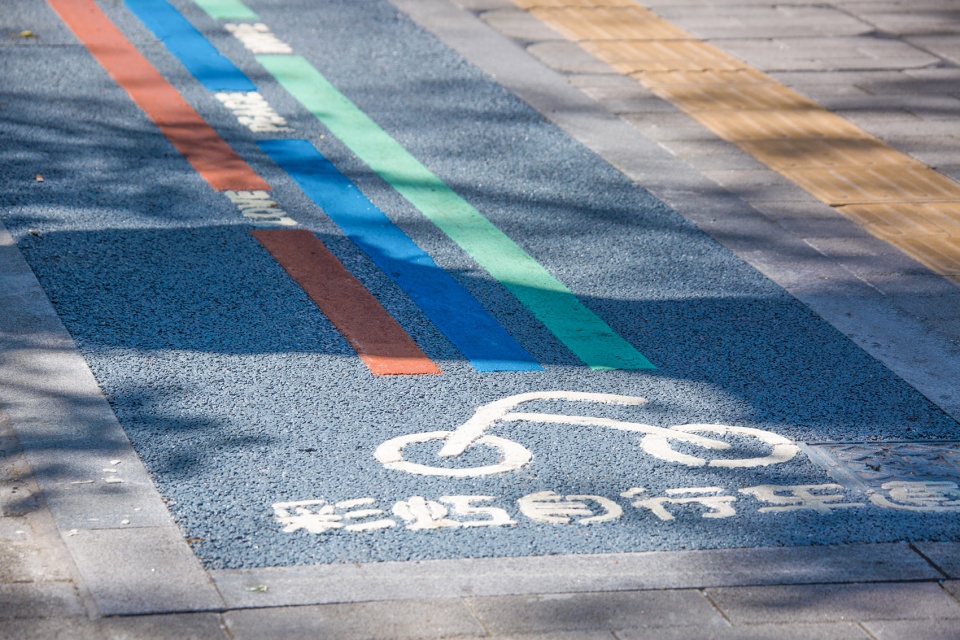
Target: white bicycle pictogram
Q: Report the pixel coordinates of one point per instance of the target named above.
(655, 441)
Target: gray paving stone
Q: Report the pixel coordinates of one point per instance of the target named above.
(754, 184)
(952, 171)
(594, 611)
(945, 555)
(826, 631)
(397, 619)
(181, 627)
(860, 77)
(520, 25)
(567, 57)
(933, 79)
(561, 635)
(75, 628)
(825, 603)
(918, 104)
(628, 97)
(279, 586)
(712, 154)
(913, 629)
(484, 5)
(867, 256)
(894, 129)
(946, 46)
(31, 551)
(668, 126)
(191, 626)
(904, 21)
(809, 219)
(827, 94)
(952, 587)
(732, 21)
(857, 6)
(940, 297)
(932, 151)
(141, 571)
(39, 600)
(834, 54)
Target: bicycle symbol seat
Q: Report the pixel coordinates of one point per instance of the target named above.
(655, 441)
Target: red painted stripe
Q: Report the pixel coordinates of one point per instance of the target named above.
(377, 338)
(213, 159)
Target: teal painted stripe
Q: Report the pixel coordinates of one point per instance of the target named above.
(226, 9)
(589, 337)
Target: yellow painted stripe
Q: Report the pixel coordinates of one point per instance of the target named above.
(894, 196)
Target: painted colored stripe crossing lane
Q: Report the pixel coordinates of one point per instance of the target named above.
(226, 9)
(194, 51)
(455, 312)
(189, 133)
(585, 334)
(380, 342)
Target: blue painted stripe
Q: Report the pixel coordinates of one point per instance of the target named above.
(194, 51)
(470, 328)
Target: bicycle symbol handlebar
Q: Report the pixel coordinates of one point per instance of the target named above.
(655, 441)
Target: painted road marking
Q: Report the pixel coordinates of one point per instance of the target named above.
(380, 342)
(226, 9)
(823, 153)
(471, 329)
(253, 111)
(258, 206)
(418, 513)
(585, 334)
(656, 441)
(189, 133)
(194, 51)
(258, 39)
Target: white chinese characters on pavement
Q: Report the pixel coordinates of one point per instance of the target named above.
(421, 513)
(718, 505)
(320, 516)
(418, 513)
(919, 496)
(549, 506)
(822, 498)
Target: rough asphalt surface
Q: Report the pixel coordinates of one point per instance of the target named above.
(238, 393)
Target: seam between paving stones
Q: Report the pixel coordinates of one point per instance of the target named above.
(716, 607)
(930, 561)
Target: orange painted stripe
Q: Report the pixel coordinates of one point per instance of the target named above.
(377, 338)
(213, 159)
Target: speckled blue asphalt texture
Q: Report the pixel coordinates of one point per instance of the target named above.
(238, 393)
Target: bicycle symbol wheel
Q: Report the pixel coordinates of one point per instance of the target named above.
(513, 455)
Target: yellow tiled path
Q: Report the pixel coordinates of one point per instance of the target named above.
(892, 195)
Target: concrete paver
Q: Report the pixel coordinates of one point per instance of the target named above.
(919, 629)
(585, 611)
(795, 631)
(398, 619)
(812, 603)
(121, 554)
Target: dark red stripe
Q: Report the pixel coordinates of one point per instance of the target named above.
(377, 338)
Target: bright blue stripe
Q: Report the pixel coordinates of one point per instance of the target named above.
(442, 299)
(201, 58)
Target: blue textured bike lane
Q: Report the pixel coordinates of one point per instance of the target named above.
(259, 423)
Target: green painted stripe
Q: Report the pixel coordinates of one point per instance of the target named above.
(589, 337)
(226, 9)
